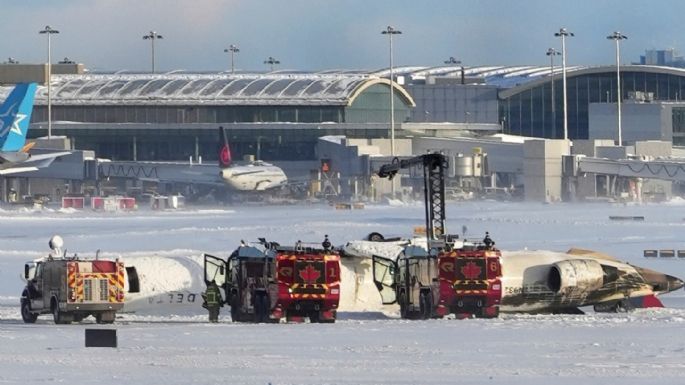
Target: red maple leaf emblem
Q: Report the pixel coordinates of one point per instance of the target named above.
(471, 271)
(309, 274)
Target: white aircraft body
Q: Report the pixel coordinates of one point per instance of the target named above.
(537, 281)
(532, 281)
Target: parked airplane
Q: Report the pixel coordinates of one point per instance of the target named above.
(535, 281)
(15, 114)
(255, 176)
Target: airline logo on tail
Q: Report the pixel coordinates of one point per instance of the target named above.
(225, 152)
(15, 114)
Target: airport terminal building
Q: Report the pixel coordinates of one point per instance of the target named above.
(175, 116)
(278, 116)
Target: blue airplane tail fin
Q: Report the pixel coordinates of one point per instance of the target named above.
(15, 114)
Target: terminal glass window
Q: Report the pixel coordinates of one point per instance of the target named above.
(678, 120)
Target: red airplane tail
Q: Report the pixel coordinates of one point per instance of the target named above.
(225, 159)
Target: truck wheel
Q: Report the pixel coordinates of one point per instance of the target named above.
(235, 311)
(426, 305)
(375, 237)
(489, 312)
(26, 314)
(261, 308)
(106, 317)
(58, 316)
(404, 307)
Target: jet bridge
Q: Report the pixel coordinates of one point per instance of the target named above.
(664, 169)
(179, 172)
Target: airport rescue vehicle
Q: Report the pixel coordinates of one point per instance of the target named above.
(447, 276)
(71, 289)
(267, 282)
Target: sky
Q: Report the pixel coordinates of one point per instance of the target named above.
(333, 34)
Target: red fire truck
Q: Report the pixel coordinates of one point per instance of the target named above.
(448, 276)
(267, 282)
(71, 288)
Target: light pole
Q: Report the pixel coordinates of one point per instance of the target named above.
(551, 52)
(233, 49)
(391, 31)
(563, 33)
(454, 61)
(271, 62)
(152, 36)
(617, 37)
(49, 31)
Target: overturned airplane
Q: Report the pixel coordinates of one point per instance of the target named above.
(527, 281)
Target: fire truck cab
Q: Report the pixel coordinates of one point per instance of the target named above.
(71, 289)
(408, 281)
(268, 282)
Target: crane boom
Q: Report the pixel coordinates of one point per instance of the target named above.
(434, 166)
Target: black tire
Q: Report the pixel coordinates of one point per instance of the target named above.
(375, 237)
(314, 317)
(483, 313)
(104, 318)
(426, 305)
(26, 314)
(235, 313)
(235, 310)
(58, 316)
(404, 307)
(261, 308)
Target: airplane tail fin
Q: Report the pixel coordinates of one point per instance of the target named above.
(15, 114)
(224, 151)
(646, 301)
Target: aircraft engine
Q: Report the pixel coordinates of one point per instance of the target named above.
(575, 275)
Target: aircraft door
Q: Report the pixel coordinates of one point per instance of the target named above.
(37, 286)
(215, 270)
(384, 276)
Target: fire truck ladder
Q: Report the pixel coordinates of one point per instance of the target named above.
(434, 166)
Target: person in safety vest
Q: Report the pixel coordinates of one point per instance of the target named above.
(212, 301)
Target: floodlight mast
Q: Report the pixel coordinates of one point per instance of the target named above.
(152, 36)
(617, 37)
(233, 49)
(551, 52)
(49, 32)
(563, 33)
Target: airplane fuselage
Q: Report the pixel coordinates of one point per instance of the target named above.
(529, 280)
(538, 281)
(254, 177)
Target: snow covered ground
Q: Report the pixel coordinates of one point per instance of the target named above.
(642, 347)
